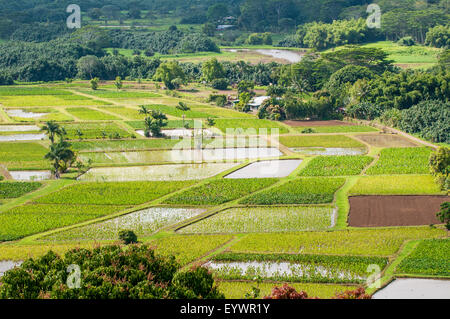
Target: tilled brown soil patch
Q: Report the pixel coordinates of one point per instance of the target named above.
(317, 123)
(385, 140)
(378, 211)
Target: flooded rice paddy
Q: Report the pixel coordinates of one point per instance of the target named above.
(18, 128)
(267, 169)
(25, 114)
(30, 175)
(22, 137)
(413, 288)
(176, 172)
(8, 265)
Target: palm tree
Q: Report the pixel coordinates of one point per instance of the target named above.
(144, 110)
(52, 129)
(61, 155)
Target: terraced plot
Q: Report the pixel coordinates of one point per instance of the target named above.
(264, 219)
(109, 94)
(363, 242)
(48, 100)
(300, 191)
(100, 130)
(336, 166)
(323, 141)
(41, 114)
(23, 156)
(220, 191)
(84, 113)
(125, 193)
(396, 185)
(17, 189)
(385, 140)
(143, 223)
(249, 126)
(402, 161)
(175, 172)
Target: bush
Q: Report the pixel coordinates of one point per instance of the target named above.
(444, 214)
(108, 272)
(5, 79)
(286, 292)
(220, 84)
(220, 100)
(128, 237)
(406, 41)
(364, 111)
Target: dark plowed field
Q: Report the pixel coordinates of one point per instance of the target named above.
(378, 211)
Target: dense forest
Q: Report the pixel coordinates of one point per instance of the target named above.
(354, 81)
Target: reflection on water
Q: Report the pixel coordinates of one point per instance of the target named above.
(267, 169)
(22, 137)
(25, 114)
(176, 172)
(18, 128)
(30, 175)
(8, 265)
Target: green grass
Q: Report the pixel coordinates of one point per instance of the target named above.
(370, 242)
(123, 193)
(225, 113)
(431, 257)
(396, 185)
(17, 189)
(413, 160)
(31, 219)
(337, 129)
(19, 156)
(249, 126)
(336, 165)
(303, 268)
(48, 100)
(220, 191)
(171, 124)
(108, 94)
(84, 113)
(129, 113)
(299, 191)
(264, 219)
(95, 131)
(238, 289)
(320, 141)
(31, 90)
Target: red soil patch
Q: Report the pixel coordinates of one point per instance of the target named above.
(378, 211)
(317, 123)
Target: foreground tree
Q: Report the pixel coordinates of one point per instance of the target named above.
(440, 166)
(62, 157)
(108, 272)
(53, 129)
(154, 124)
(168, 72)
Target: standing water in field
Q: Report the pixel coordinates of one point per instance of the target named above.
(25, 114)
(30, 175)
(18, 128)
(266, 169)
(8, 265)
(22, 137)
(413, 288)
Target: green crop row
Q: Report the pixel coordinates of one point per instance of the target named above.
(87, 114)
(249, 126)
(17, 189)
(120, 94)
(431, 257)
(32, 219)
(264, 219)
(320, 141)
(371, 242)
(220, 191)
(338, 129)
(121, 193)
(413, 160)
(95, 131)
(32, 90)
(23, 156)
(299, 191)
(336, 165)
(173, 111)
(395, 185)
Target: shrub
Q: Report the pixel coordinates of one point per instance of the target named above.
(444, 214)
(108, 272)
(220, 84)
(286, 292)
(128, 237)
(406, 41)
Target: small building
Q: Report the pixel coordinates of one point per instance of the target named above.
(258, 101)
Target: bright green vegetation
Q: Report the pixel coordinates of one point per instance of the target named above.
(14, 252)
(431, 257)
(188, 248)
(238, 289)
(338, 129)
(225, 113)
(171, 124)
(51, 115)
(124, 193)
(173, 111)
(143, 223)
(48, 100)
(396, 185)
(31, 219)
(300, 267)
(413, 160)
(129, 113)
(120, 94)
(16, 189)
(336, 165)
(299, 191)
(30, 90)
(124, 145)
(95, 131)
(220, 191)
(320, 141)
(21, 156)
(84, 113)
(264, 219)
(376, 242)
(249, 126)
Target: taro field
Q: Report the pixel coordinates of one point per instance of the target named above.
(280, 221)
